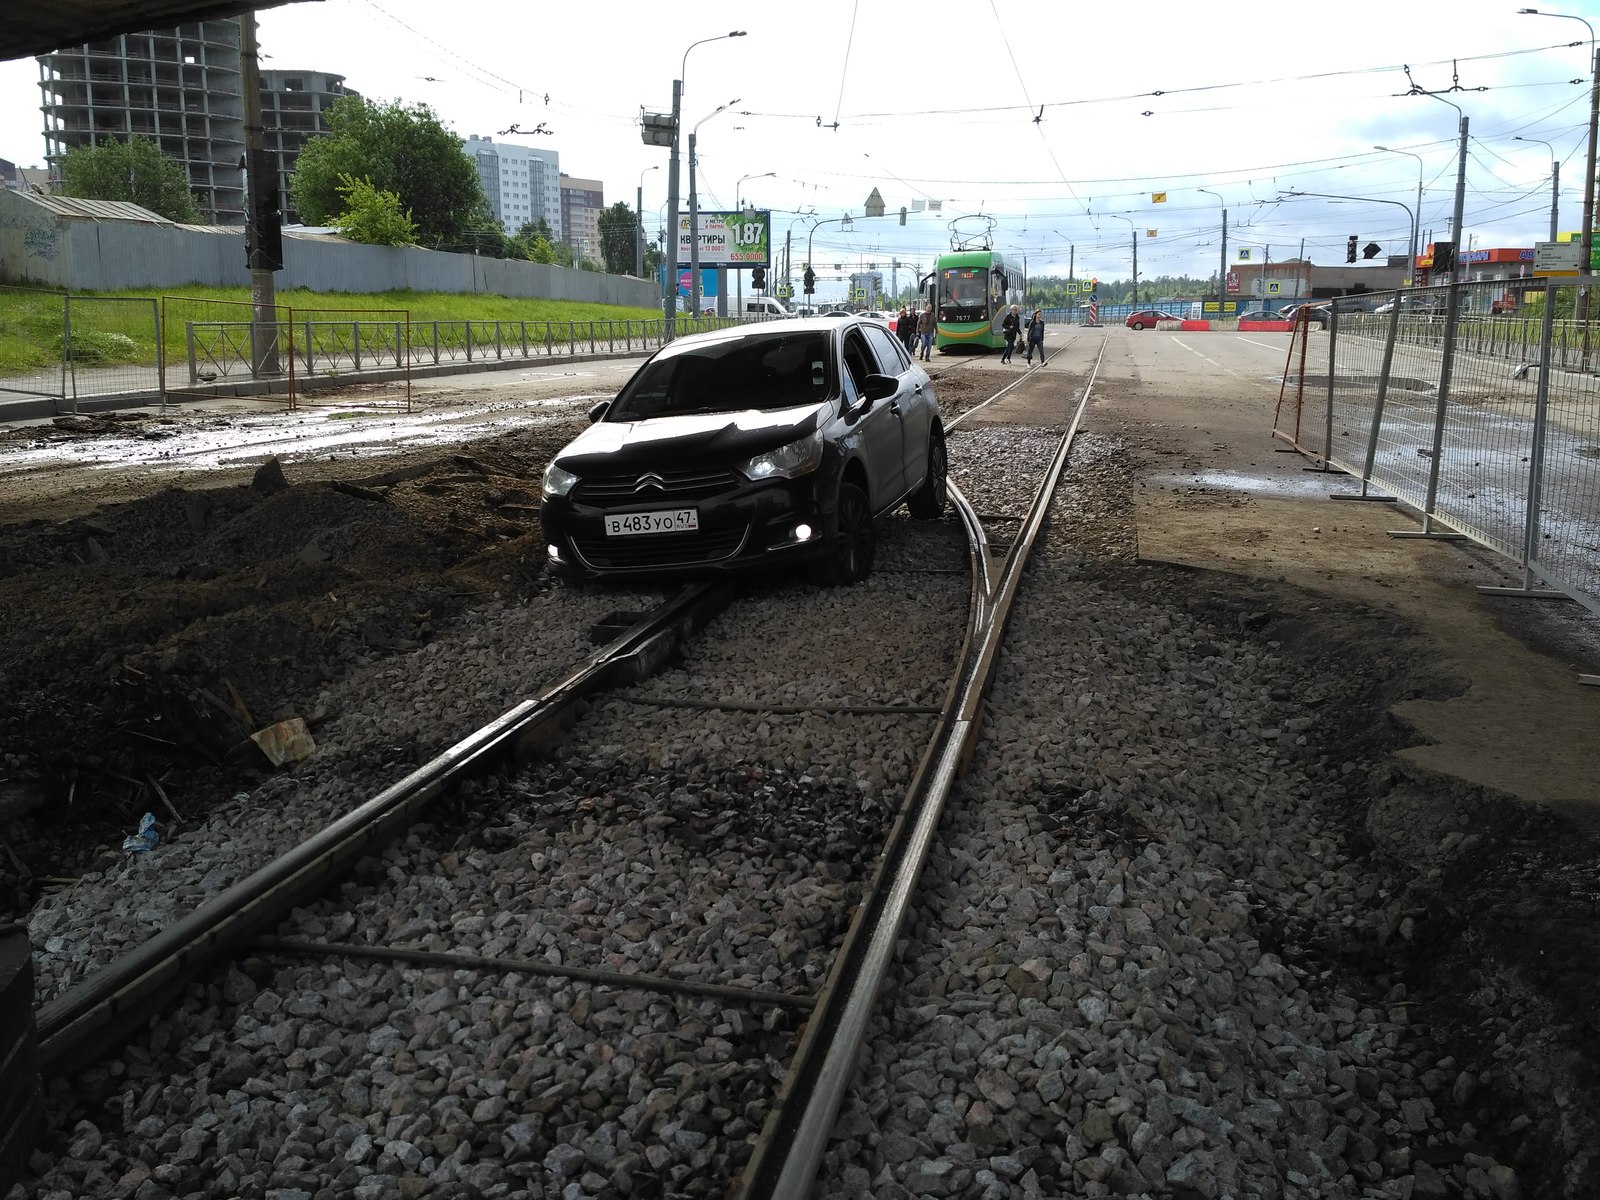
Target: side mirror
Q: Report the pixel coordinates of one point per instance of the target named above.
(880, 387)
(598, 410)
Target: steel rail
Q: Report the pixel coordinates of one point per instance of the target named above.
(89, 1019)
(784, 1162)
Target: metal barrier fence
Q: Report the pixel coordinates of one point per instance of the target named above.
(1462, 423)
(78, 347)
(228, 341)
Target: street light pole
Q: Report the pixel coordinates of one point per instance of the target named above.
(843, 222)
(1588, 171)
(1555, 183)
(669, 297)
(739, 273)
(694, 213)
(1416, 216)
(1133, 232)
(638, 230)
(1222, 265)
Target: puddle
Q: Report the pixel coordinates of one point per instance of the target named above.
(1298, 485)
(201, 442)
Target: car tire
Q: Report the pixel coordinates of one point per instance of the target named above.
(849, 539)
(1137, 325)
(927, 503)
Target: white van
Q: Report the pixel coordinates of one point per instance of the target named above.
(765, 306)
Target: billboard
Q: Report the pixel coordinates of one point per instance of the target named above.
(729, 239)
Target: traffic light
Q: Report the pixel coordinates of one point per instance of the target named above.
(902, 214)
(811, 281)
(758, 279)
(1350, 249)
(1444, 257)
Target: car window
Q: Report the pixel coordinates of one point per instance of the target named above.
(892, 359)
(764, 371)
(858, 360)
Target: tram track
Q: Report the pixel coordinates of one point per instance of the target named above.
(86, 1021)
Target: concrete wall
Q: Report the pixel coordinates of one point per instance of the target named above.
(77, 254)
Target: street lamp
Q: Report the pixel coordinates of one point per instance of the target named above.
(1555, 182)
(1133, 232)
(1416, 217)
(1360, 200)
(669, 300)
(739, 274)
(1222, 265)
(1588, 171)
(694, 211)
(638, 231)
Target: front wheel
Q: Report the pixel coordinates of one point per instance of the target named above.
(849, 538)
(928, 501)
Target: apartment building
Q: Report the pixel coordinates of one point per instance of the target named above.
(582, 202)
(292, 104)
(178, 87)
(521, 184)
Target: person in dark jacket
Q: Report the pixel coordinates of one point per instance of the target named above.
(925, 327)
(1036, 336)
(1010, 327)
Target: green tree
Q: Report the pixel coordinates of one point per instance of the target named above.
(396, 149)
(618, 231)
(534, 242)
(373, 217)
(134, 170)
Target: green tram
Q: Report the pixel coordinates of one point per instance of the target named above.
(971, 291)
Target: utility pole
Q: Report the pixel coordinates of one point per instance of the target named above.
(669, 244)
(1222, 266)
(263, 233)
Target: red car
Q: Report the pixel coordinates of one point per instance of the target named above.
(1146, 318)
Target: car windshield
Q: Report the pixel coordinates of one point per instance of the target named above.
(755, 371)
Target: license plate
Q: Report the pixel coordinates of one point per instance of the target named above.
(665, 520)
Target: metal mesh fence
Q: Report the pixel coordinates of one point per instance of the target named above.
(1461, 424)
(113, 346)
(217, 342)
(1564, 532)
(32, 342)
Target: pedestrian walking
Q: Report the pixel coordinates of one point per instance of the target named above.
(905, 328)
(925, 329)
(1010, 327)
(1036, 336)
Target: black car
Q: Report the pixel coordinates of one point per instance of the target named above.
(759, 445)
(1320, 315)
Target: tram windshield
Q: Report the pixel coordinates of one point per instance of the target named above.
(965, 288)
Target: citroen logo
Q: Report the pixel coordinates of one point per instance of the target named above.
(650, 480)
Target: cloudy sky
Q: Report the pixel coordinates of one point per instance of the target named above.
(1057, 121)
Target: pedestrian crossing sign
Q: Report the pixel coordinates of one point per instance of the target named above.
(1072, 288)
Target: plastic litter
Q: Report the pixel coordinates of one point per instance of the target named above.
(146, 839)
(286, 742)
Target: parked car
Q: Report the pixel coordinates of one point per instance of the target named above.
(1146, 318)
(1259, 314)
(759, 445)
(1319, 315)
(1418, 306)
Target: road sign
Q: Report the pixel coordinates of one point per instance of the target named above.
(1072, 288)
(1557, 258)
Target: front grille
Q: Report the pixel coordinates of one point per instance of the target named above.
(625, 487)
(649, 551)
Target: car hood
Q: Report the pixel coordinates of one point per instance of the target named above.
(729, 436)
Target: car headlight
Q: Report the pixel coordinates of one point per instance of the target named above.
(787, 462)
(558, 482)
